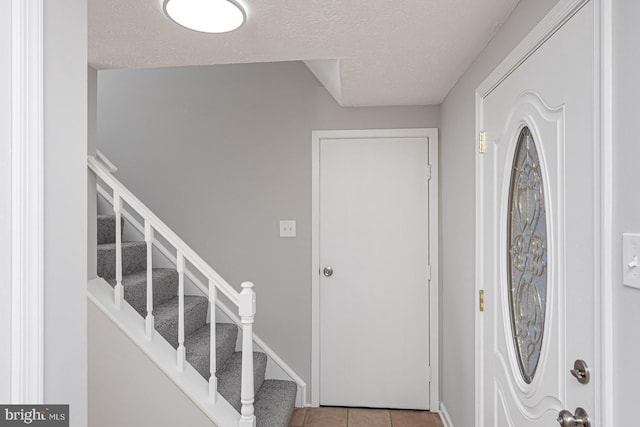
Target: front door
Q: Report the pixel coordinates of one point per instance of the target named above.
(374, 271)
(537, 194)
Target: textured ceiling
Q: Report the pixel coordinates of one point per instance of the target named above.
(381, 52)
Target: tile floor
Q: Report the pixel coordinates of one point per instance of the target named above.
(352, 417)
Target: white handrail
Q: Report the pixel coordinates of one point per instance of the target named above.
(226, 310)
(110, 166)
(245, 300)
(105, 175)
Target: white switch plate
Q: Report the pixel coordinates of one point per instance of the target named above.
(631, 249)
(287, 228)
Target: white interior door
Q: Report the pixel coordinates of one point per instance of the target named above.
(537, 234)
(374, 302)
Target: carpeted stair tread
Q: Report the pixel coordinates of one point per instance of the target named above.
(107, 228)
(275, 403)
(165, 287)
(229, 378)
(198, 347)
(274, 399)
(166, 317)
(134, 259)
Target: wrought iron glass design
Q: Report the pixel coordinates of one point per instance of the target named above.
(527, 255)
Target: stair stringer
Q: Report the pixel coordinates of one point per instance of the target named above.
(162, 354)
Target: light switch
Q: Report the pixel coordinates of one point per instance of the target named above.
(287, 228)
(631, 260)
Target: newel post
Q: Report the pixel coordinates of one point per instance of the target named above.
(247, 312)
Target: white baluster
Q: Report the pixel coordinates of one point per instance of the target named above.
(118, 290)
(181, 351)
(213, 381)
(148, 237)
(247, 311)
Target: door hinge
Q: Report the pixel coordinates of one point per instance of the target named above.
(481, 300)
(482, 148)
(428, 172)
(428, 272)
(429, 374)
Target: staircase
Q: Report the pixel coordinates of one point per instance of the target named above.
(158, 297)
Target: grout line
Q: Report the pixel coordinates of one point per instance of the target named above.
(433, 423)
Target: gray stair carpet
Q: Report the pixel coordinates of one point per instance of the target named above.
(274, 400)
(198, 348)
(134, 258)
(166, 317)
(107, 228)
(275, 403)
(228, 377)
(165, 287)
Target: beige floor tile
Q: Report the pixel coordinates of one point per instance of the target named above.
(414, 419)
(369, 418)
(326, 417)
(297, 419)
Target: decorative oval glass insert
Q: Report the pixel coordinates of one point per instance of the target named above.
(527, 255)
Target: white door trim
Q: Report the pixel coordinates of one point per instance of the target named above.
(27, 202)
(434, 328)
(603, 131)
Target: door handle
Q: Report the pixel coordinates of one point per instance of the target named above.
(580, 419)
(327, 271)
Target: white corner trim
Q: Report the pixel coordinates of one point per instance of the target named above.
(327, 71)
(604, 124)
(434, 329)
(444, 416)
(27, 202)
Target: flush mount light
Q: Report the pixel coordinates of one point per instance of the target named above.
(207, 16)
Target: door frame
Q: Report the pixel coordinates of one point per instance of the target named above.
(603, 132)
(22, 177)
(433, 328)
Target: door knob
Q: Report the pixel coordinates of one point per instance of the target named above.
(580, 419)
(327, 271)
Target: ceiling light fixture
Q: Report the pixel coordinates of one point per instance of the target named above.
(207, 16)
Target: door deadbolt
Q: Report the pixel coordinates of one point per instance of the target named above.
(581, 371)
(580, 419)
(327, 271)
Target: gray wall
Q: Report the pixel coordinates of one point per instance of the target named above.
(626, 207)
(65, 206)
(151, 399)
(221, 154)
(5, 196)
(457, 192)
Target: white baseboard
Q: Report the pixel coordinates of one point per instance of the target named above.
(444, 416)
